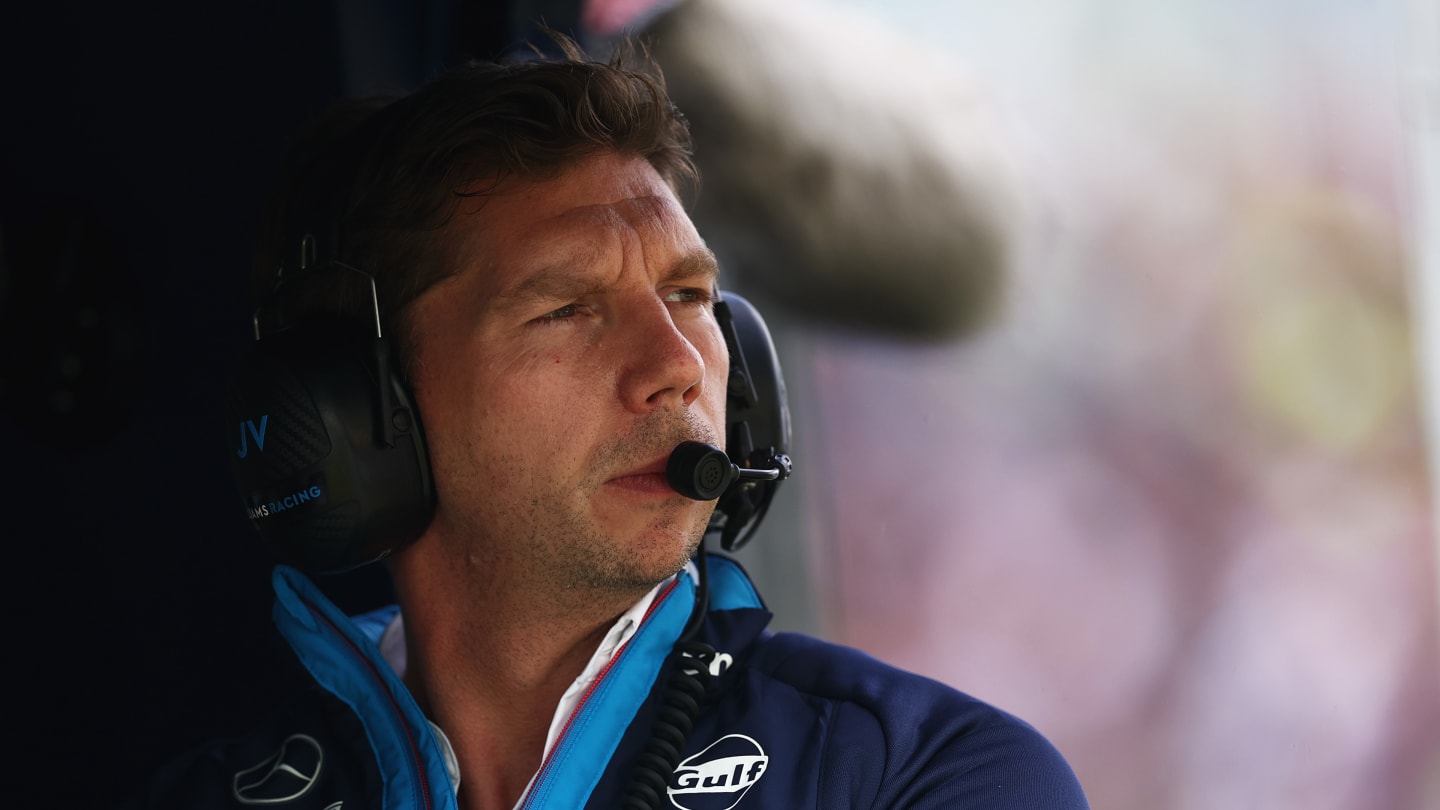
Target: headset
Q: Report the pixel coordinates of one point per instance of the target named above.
(330, 457)
(329, 453)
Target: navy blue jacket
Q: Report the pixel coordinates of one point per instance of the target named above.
(789, 722)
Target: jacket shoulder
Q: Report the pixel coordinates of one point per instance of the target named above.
(912, 741)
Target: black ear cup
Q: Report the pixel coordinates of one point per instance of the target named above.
(326, 447)
(757, 419)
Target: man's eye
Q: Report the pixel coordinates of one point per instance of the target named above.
(691, 295)
(563, 313)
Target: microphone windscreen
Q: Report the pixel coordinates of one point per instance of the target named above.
(699, 471)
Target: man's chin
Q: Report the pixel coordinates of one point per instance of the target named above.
(660, 551)
(677, 520)
(655, 544)
(665, 545)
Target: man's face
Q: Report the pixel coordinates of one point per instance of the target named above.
(555, 372)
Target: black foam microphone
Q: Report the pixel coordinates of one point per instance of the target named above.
(703, 472)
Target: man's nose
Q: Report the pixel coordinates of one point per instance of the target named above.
(663, 366)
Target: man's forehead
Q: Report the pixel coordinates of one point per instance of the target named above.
(589, 216)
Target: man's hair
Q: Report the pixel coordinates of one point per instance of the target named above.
(386, 175)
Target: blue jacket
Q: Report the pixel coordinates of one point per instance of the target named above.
(789, 722)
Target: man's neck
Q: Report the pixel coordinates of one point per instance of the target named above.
(488, 660)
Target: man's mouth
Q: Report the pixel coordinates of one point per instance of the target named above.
(646, 477)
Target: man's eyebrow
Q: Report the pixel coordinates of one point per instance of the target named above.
(567, 280)
(551, 283)
(699, 262)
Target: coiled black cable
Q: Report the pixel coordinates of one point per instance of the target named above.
(690, 678)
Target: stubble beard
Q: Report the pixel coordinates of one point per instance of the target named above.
(579, 558)
(571, 553)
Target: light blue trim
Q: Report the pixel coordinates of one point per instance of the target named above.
(327, 643)
(730, 589)
(583, 754)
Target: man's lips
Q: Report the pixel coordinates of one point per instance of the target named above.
(647, 477)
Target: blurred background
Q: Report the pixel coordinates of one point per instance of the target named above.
(1104, 324)
(1172, 504)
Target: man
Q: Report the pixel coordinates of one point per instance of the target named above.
(557, 334)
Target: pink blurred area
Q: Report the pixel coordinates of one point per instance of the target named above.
(1173, 507)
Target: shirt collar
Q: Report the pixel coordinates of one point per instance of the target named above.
(392, 648)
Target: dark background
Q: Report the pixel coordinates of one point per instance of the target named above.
(137, 150)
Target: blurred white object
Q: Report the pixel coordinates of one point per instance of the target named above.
(848, 172)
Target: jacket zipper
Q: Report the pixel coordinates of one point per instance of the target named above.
(569, 721)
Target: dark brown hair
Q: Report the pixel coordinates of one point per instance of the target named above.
(377, 179)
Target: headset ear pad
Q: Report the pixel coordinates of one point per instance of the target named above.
(327, 447)
(757, 431)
